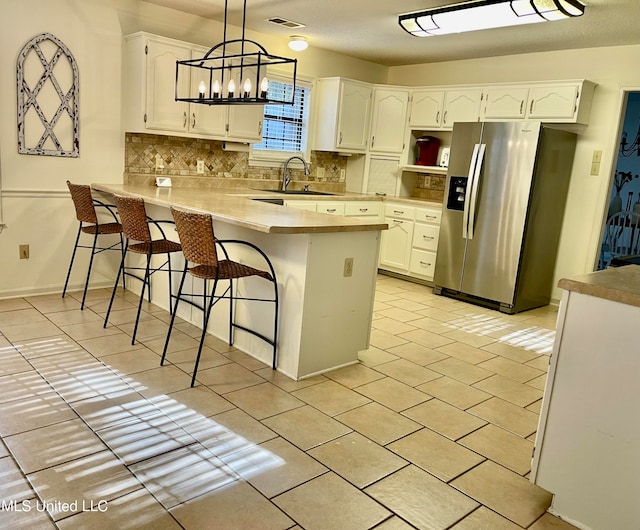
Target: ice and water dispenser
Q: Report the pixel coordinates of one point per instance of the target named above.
(457, 193)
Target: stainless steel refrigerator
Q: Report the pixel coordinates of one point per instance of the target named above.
(504, 203)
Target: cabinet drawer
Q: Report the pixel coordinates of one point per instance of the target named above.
(429, 215)
(333, 208)
(426, 236)
(302, 205)
(422, 263)
(361, 208)
(399, 211)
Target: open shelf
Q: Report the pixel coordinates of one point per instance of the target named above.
(440, 170)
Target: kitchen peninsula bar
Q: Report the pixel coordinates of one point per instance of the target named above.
(325, 309)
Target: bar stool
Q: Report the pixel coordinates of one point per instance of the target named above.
(196, 234)
(85, 206)
(135, 224)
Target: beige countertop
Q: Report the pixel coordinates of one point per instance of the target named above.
(234, 206)
(621, 284)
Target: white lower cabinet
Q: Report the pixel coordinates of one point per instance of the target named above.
(332, 207)
(302, 205)
(366, 210)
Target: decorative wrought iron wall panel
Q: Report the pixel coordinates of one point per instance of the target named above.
(48, 94)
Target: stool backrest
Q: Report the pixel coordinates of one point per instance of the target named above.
(195, 231)
(133, 218)
(83, 202)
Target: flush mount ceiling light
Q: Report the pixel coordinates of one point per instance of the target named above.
(486, 14)
(233, 72)
(298, 43)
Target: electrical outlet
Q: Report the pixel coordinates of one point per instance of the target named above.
(159, 163)
(24, 251)
(200, 167)
(595, 168)
(348, 267)
(343, 175)
(597, 157)
(320, 172)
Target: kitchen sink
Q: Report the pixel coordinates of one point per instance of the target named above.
(271, 200)
(299, 192)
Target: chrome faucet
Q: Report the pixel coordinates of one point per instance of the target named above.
(285, 178)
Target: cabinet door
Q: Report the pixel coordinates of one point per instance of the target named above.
(461, 105)
(426, 108)
(395, 248)
(389, 120)
(353, 121)
(423, 264)
(205, 119)
(162, 110)
(548, 102)
(505, 103)
(245, 122)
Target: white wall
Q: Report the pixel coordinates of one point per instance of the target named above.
(34, 201)
(613, 68)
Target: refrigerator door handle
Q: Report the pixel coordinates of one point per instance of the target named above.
(467, 201)
(474, 190)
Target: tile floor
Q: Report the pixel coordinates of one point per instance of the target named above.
(433, 429)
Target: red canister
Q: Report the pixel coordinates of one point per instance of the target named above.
(427, 151)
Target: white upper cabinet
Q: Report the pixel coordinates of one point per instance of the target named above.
(149, 97)
(505, 103)
(342, 115)
(461, 105)
(389, 120)
(426, 109)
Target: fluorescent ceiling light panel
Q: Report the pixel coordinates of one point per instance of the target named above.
(487, 14)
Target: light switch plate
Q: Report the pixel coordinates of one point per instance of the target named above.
(163, 182)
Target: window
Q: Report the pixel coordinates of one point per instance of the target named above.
(284, 127)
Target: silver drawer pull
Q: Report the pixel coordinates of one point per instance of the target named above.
(331, 209)
(398, 211)
(428, 238)
(364, 209)
(425, 264)
(431, 216)
(397, 221)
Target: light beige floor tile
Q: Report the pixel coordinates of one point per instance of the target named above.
(88, 330)
(178, 342)
(184, 404)
(106, 411)
(33, 412)
(14, 304)
(394, 523)
(274, 466)
(461, 370)
(354, 375)
(471, 339)
(131, 362)
(147, 329)
(20, 316)
(28, 332)
(373, 356)
(505, 492)
(511, 369)
(358, 459)
(421, 499)
(507, 415)
(509, 351)
(230, 431)
(227, 378)
(509, 390)
(444, 418)
(137, 510)
(383, 340)
(485, 519)
(183, 474)
(408, 305)
(378, 423)
(454, 392)
(96, 477)
(54, 345)
(436, 454)
(23, 385)
(150, 436)
(249, 362)
(286, 383)
(391, 325)
(306, 427)
(539, 382)
(438, 314)
(433, 325)
(426, 338)
(263, 400)
(116, 342)
(349, 508)
(407, 372)
(161, 380)
(416, 353)
(541, 362)
(464, 352)
(68, 318)
(12, 362)
(236, 506)
(503, 447)
(535, 406)
(549, 522)
(393, 394)
(26, 517)
(186, 359)
(330, 397)
(53, 445)
(13, 485)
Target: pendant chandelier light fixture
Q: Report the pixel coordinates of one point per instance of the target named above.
(486, 14)
(233, 72)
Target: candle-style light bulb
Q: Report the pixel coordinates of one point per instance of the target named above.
(264, 86)
(231, 87)
(201, 90)
(216, 89)
(246, 88)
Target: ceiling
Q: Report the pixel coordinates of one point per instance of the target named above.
(369, 30)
